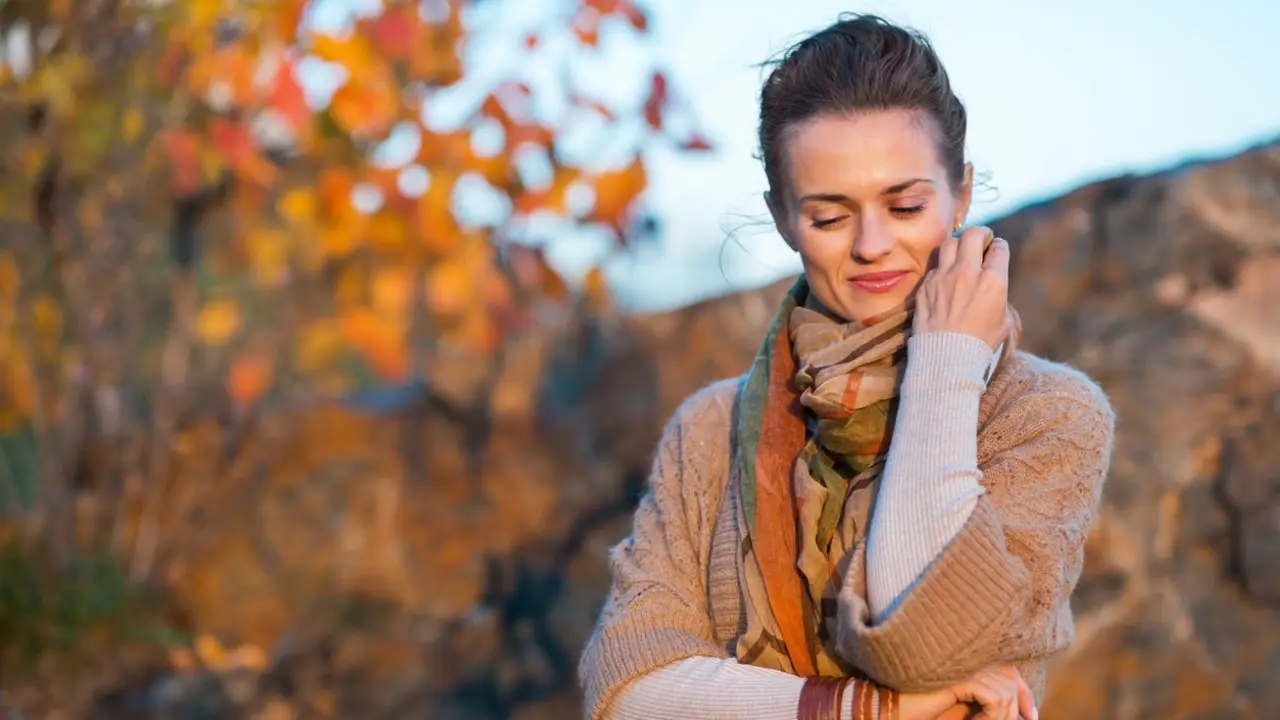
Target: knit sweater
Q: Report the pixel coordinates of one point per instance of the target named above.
(1004, 553)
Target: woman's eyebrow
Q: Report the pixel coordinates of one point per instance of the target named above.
(905, 184)
(838, 198)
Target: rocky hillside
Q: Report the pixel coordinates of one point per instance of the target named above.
(446, 559)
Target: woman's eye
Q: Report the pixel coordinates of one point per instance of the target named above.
(907, 211)
(825, 223)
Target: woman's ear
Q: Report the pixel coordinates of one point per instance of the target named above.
(780, 221)
(964, 195)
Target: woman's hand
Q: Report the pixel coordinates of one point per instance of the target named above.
(967, 293)
(1000, 693)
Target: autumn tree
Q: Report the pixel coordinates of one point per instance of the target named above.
(223, 206)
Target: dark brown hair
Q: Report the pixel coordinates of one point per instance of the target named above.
(862, 62)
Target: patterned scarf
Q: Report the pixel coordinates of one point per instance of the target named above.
(815, 417)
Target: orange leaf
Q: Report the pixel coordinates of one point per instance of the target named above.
(288, 17)
(249, 379)
(449, 287)
(623, 7)
(586, 25)
(520, 134)
(288, 99)
(392, 291)
(555, 198)
(183, 149)
(616, 191)
(588, 103)
(448, 148)
(235, 141)
(440, 61)
(398, 31)
(657, 102)
(437, 228)
(340, 238)
(351, 52)
(695, 143)
(388, 231)
(224, 75)
(335, 187)
(635, 15)
(380, 341)
(366, 106)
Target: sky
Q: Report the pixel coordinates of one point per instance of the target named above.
(1058, 95)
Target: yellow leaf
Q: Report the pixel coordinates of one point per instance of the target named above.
(351, 52)
(319, 343)
(269, 252)
(449, 287)
(203, 13)
(132, 124)
(298, 206)
(217, 322)
(209, 650)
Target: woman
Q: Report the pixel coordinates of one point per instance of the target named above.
(885, 516)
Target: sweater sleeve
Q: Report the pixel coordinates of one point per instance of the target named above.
(998, 593)
(702, 688)
(931, 480)
(656, 611)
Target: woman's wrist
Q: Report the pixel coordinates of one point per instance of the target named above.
(827, 698)
(944, 361)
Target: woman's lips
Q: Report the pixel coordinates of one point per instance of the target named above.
(880, 282)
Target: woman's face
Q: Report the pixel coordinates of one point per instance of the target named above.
(868, 204)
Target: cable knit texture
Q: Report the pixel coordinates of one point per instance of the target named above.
(997, 593)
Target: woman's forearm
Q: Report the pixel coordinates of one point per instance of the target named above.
(931, 480)
(704, 688)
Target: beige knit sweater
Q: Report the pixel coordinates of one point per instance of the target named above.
(997, 593)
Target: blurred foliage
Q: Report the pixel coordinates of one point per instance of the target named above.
(192, 227)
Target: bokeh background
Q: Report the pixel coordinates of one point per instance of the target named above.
(336, 335)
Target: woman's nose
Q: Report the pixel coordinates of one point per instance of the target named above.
(872, 242)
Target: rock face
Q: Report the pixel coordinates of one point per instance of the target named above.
(430, 563)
